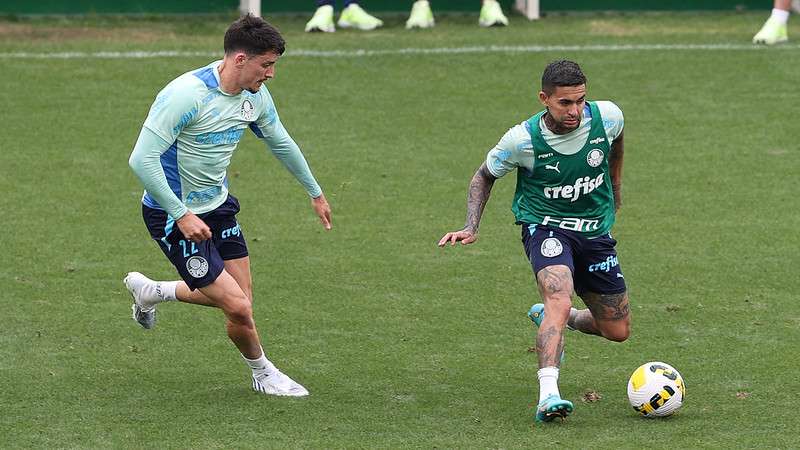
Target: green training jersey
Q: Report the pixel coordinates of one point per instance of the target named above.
(566, 186)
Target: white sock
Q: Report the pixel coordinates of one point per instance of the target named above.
(779, 15)
(548, 382)
(166, 290)
(260, 365)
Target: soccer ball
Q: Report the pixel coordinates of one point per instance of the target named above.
(656, 389)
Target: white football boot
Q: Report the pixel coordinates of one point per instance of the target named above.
(492, 15)
(322, 20)
(773, 32)
(277, 383)
(354, 16)
(421, 15)
(146, 295)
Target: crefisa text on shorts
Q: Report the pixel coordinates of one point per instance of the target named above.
(605, 266)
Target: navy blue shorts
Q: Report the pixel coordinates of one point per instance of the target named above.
(593, 262)
(199, 264)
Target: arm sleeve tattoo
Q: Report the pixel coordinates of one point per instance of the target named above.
(479, 189)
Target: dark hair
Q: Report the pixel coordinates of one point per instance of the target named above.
(561, 73)
(254, 36)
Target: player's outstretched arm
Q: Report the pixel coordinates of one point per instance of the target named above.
(479, 189)
(615, 167)
(323, 210)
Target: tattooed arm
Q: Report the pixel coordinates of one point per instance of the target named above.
(615, 167)
(479, 189)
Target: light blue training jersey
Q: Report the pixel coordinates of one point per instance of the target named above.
(189, 136)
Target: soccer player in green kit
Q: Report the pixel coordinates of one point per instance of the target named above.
(568, 160)
(181, 157)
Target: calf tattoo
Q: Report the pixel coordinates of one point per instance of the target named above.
(607, 306)
(582, 320)
(549, 345)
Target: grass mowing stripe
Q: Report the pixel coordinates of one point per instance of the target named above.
(410, 51)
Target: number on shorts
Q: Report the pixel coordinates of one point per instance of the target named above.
(188, 250)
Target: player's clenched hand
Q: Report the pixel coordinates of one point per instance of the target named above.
(323, 210)
(465, 236)
(193, 227)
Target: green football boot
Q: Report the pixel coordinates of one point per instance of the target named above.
(322, 21)
(421, 15)
(773, 32)
(552, 407)
(355, 17)
(492, 15)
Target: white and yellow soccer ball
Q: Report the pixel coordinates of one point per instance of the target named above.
(656, 389)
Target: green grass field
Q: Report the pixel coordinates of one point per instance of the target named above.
(402, 344)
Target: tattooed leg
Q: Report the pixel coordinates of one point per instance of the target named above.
(610, 315)
(555, 286)
(582, 320)
(549, 345)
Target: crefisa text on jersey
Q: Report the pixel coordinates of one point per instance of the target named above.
(573, 191)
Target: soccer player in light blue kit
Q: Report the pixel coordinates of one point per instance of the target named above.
(568, 160)
(181, 158)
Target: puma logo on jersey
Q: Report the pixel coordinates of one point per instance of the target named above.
(597, 140)
(548, 166)
(545, 155)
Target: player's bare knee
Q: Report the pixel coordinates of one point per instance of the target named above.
(241, 317)
(557, 306)
(617, 335)
(555, 282)
(240, 310)
(617, 331)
